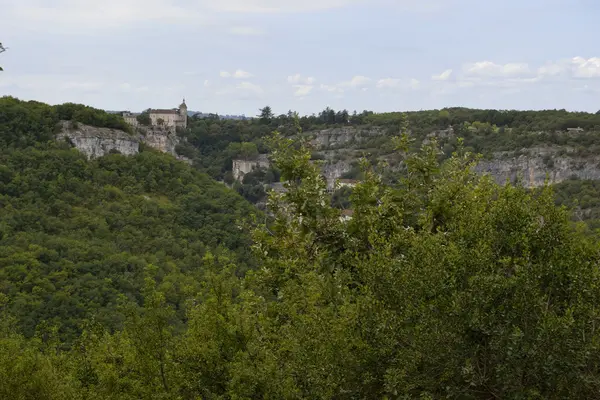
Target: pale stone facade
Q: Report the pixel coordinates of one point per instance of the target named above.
(173, 118)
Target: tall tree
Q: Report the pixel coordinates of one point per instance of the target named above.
(266, 115)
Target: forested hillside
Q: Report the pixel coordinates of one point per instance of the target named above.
(142, 278)
(77, 237)
(446, 285)
(502, 136)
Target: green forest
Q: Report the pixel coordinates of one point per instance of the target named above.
(142, 277)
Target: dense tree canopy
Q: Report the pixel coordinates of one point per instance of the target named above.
(76, 235)
(24, 124)
(140, 277)
(445, 285)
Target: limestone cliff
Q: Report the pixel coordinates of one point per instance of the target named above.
(342, 137)
(342, 147)
(162, 139)
(535, 165)
(97, 142)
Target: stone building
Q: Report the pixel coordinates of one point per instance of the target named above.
(243, 167)
(171, 118)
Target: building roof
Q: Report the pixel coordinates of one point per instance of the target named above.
(164, 112)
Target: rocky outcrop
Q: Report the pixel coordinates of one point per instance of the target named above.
(159, 138)
(243, 167)
(534, 166)
(333, 171)
(340, 137)
(97, 142)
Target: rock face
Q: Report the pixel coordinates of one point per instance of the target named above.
(97, 142)
(540, 164)
(243, 167)
(164, 140)
(339, 137)
(333, 171)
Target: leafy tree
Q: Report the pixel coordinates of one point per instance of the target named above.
(266, 115)
(144, 118)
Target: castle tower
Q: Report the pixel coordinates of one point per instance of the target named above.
(183, 114)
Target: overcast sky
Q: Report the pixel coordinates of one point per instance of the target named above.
(234, 56)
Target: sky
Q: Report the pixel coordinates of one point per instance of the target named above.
(236, 56)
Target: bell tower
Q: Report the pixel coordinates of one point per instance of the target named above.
(183, 114)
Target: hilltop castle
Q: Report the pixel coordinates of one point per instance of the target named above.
(173, 118)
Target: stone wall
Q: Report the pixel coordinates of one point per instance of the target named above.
(242, 167)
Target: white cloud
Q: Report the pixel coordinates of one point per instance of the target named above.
(395, 83)
(276, 6)
(552, 69)
(331, 88)
(388, 83)
(488, 69)
(64, 15)
(242, 90)
(302, 90)
(206, 83)
(299, 79)
(128, 88)
(90, 14)
(251, 87)
(241, 74)
(238, 74)
(358, 81)
(576, 67)
(586, 68)
(444, 76)
(70, 16)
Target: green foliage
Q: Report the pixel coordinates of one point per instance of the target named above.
(266, 115)
(144, 118)
(24, 124)
(442, 285)
(244, 151)
(77, 234)
(341, 198)
(90, 116)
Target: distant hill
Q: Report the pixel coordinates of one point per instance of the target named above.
(227, 116)
(202, 115)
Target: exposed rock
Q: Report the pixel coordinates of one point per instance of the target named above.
(333, 171)
(554, 164)
(97, 142)
(243, 167)
(161, 139)
(336, 137)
